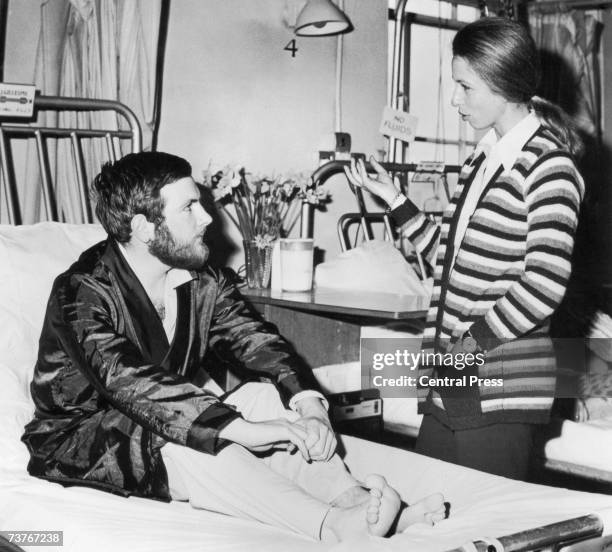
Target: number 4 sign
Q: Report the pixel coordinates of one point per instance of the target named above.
(291, 47)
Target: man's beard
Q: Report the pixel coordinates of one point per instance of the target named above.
(189, 256)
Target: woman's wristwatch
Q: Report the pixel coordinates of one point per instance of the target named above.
(392, 205)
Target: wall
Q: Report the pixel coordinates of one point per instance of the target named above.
(233, 95)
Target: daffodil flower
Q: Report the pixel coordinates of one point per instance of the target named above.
(263, 208)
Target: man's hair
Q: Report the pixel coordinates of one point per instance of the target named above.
(131, 186)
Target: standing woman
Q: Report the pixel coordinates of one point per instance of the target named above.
(501, 257)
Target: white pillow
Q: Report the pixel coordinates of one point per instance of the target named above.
(375, 265)
(16, 410)
(32, 257)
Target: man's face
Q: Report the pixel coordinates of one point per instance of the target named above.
(179, 238)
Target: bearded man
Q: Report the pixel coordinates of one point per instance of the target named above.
(123, 391)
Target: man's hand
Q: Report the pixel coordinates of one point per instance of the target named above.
(320, 441)
(259, 436)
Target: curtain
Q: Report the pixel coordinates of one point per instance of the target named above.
(108, 50)
(569, 45)
(138, 38)
(569, 42)
(85, 73)
(53, 16)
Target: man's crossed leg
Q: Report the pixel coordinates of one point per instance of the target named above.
(320, 499)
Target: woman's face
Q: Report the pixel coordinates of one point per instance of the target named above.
(476, 102)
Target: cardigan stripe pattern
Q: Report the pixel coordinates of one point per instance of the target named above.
(510, 274)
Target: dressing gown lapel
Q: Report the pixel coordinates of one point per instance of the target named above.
(147, 325)
(180, 350)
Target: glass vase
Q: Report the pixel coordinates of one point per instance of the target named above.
(258, 262)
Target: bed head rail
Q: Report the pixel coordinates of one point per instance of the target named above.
(111, 137)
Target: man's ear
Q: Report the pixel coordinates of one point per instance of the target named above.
(142, 229)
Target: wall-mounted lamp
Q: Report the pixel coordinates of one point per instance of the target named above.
(322, 18)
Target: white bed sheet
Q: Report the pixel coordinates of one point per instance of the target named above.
(587, 444)
(94, 521)
(481, 506)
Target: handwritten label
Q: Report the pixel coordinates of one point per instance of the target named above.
(16, 100)
(430, 166)
(398, 124)
(429, 171)
(428, 177)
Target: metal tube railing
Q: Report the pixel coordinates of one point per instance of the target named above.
(547, 537)
(45, 174)
(322, 173)
(57, 103)
(8, 179)
(79, 164)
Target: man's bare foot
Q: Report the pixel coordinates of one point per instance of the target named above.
(374, 516)
(430, 510)
(383, 506)
(351, 497)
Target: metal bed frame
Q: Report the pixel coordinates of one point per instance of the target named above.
(14, 130)
(551, 537)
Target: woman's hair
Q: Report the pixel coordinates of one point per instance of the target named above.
(131, 186)
(504, 55)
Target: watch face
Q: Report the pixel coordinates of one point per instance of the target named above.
(470, 345)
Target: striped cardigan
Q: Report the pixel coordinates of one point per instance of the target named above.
(509, 276)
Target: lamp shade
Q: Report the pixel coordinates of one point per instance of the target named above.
(322, 18)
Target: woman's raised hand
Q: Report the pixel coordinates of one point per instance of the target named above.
(381, 184)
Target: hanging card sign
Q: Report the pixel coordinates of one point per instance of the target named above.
(16, 100)
(398, 124)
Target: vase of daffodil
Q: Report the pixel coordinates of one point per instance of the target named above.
(257, 262)
(263, 208)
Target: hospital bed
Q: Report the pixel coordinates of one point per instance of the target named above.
(486, 512)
